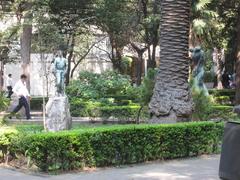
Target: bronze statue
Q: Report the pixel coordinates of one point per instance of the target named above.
(197, 56)
(60, 69)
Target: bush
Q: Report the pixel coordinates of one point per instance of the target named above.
(4, 102)
(208, 76)
(148, 86)
(7, 134)
(222, 100)
(223, 113)
(120, 144)
(125, 109)
(223, 92)
(202, 106)
(37, 102)
(95, 86)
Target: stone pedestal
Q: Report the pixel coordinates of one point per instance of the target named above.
(58, 114)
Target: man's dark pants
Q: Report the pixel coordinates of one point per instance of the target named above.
(23, 102)
(10, 92)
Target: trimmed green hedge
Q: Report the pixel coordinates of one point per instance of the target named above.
(81, 108)
(216, 93)
(222, 92)
(222, 113)
(36, 103)
(120, 144)
(222, 100)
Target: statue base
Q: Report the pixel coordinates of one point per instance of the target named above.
(58, 114)
(171, 118)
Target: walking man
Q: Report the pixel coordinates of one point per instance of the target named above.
(20, 89)
(9, 85)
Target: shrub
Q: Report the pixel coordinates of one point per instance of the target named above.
(37, 102)
(208, 76)
(222, 100)
(148, 86)
(7, 134)
(4, 102)
(94, 86)
(223, 92)
(125, 112)
(202, 106)
(224, 113)
(123, 109)
(120, 144)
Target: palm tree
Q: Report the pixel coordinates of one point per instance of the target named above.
(203, 21)
(172, 99)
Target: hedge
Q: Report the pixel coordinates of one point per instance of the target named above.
(120, 145)
(222, 100)
(223, 92)
(80, 108)
(36, 103)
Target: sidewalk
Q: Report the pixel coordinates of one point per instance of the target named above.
(201, 168)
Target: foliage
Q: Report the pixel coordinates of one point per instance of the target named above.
(6, 136)
(202, 106)
(208, 77)
(222, 100)
(120, 145)
(94, 86)
(222, 92)
(36, 103)
(148, 86)
(123, 110)
(203, 21)
(4, 102)
(218, 93)
(222, 113)
(214, 107)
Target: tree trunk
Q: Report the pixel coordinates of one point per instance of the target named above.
(139, 68)
(26, 49)
(1, 75)
(116, 59)
(152, 63)
(237, 97)
(70, 59)
(139, 63)
(171, 100)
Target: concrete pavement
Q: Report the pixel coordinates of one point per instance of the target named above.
(201, 168)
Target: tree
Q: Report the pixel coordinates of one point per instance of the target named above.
(203, 21)
(149, 20)
(114, 17)
(70, 16)
(237, 56)
(172, 99)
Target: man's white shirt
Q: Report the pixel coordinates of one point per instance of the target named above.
(20, 89)
(9, 82)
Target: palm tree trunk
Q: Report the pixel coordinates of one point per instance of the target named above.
(237, 56)
(172, 99)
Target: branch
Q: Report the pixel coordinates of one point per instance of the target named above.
(108, 54)
(84, 56)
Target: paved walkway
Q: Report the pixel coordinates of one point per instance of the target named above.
(203, 168)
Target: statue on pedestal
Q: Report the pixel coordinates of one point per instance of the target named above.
(57, 107)
(197, 56)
